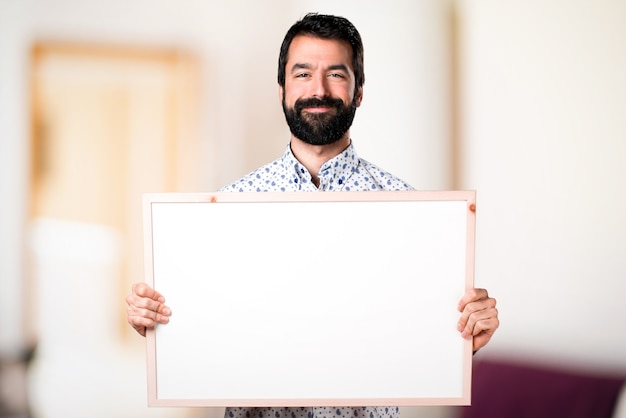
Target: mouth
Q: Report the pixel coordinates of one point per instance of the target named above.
(318, 106)
(320, 109)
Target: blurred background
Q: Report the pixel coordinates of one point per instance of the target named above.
(523, 101)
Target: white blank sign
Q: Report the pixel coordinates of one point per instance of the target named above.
(305, 299)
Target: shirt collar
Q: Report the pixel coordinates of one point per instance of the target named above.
(332, 174)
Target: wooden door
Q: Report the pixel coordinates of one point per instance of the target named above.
(109, 124)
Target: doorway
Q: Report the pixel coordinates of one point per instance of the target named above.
(108, 124)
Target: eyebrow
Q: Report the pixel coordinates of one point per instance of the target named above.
(304, 66)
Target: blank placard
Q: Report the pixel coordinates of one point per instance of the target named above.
(304, 299)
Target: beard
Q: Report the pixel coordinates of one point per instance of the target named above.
(319, 128)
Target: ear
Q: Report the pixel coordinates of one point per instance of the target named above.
(280, 93)
(359, 96)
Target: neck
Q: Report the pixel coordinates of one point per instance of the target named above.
(312, 157)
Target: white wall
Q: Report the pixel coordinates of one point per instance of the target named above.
(13, 169)
(544, 135)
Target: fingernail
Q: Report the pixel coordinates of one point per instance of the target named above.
(459, 327)
(166, 311)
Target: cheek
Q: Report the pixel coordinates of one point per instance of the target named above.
(291, 94)
(344, 92)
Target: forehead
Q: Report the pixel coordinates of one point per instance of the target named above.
(311, 50)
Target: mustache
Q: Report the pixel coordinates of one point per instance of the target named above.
(317, 102)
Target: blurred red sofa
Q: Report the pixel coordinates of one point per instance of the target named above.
(517, 389)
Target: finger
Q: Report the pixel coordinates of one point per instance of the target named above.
(485, 330)
(138, 302)
(160, 315)
(472, 295)
(473, 308)
(142, 319)
(141, 323)
(480, 321)
(137, 325)
(145, 291)
(146, 321)
(152, 306)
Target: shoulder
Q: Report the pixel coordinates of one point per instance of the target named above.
(379, 178)
(270, 177)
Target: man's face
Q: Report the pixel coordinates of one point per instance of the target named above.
(318, 98)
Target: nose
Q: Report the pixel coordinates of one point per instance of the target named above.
(318, 86)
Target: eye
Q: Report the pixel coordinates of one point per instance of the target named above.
(302, 75)
(336, 75)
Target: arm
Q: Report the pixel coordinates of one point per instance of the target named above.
(146, 308)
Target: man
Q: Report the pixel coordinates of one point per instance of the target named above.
(320, 78)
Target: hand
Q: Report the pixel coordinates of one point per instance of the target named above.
(479, 317)
(146, 308)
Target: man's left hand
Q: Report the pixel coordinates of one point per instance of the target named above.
(479, 317)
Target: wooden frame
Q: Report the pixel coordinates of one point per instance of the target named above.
(309, 299)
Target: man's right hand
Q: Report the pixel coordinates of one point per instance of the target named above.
(146, 308)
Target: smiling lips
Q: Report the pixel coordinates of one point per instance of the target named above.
(317, 109)
(318, 106)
